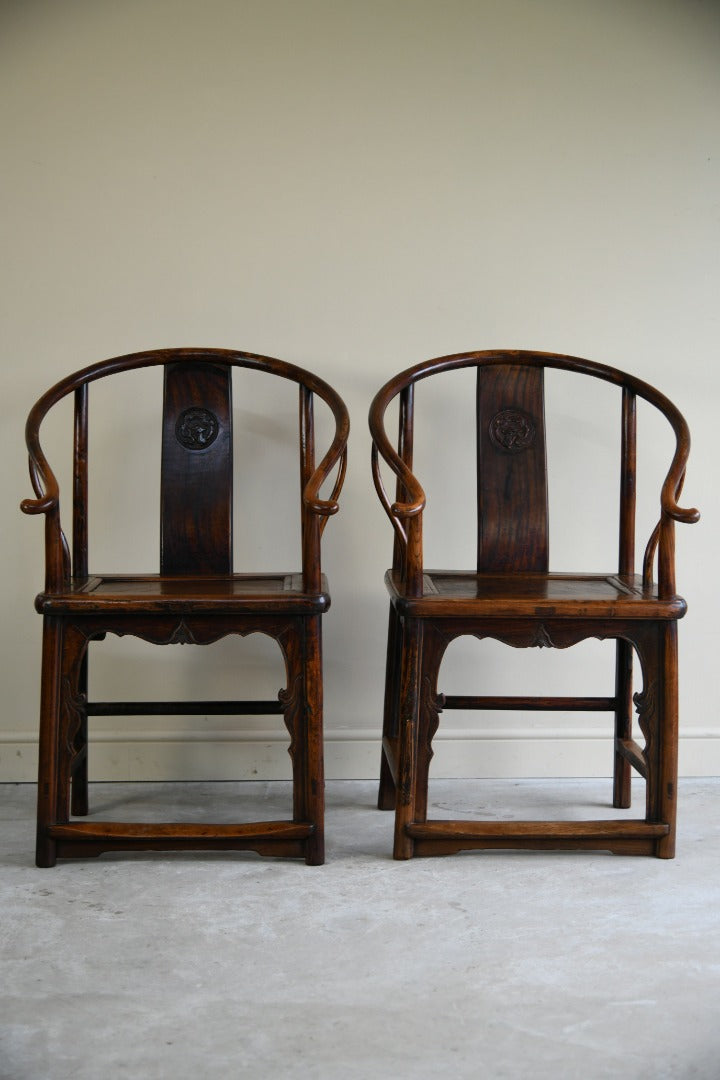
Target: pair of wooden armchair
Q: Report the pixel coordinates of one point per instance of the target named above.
(510, 595)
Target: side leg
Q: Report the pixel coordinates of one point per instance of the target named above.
(79, 789)
(431, 704)
(61, 711)
(314, 781)
(302, 703)
(666, 793)
(49, 741)
(657, 707)
(409, 707)
(622, 776)
(387, 794)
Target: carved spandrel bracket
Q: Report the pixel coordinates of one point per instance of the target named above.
(431, 705)
(645, 702)
(182, 635)
(291, 700)
(74, 705)
(542, 639)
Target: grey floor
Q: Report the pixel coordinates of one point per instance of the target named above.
(502, 964)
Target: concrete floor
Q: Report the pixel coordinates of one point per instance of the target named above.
(503, 964)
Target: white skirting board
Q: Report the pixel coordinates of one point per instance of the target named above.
(349, 754)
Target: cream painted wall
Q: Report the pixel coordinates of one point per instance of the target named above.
(355, 187)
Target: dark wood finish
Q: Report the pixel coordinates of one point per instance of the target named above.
(183, 708)
(511, 476)
(80, 484)
(405, 450)
(622, 776)
(628, 475)
(195, 599)
(196, 485)
(512, 597)
(517, 701)
(79, 790)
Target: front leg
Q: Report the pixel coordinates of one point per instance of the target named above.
(302, 704)
(387, 793)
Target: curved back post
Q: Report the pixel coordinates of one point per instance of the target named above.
(60, 568)
(406, 511)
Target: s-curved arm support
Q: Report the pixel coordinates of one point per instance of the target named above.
(42, 477)
(325, 508)
(317, 511)
(47, 501)
(662, 538)
(337, 453)
(406, 512)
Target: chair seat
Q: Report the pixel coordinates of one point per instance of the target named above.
(458, 594)
(155, 593)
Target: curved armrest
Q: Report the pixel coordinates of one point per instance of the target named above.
(382, 447)
(325, 508)
(42, 477)
(688, 515)
(47, 502)
(337, 453)
(406, 512)
(39, 506)
(44, 485)
(398, 510)
(673, 483)
(661, 538)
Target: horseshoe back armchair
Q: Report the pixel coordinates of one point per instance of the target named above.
(195, 598)
(511, 596)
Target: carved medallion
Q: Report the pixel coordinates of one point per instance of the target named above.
(196, 429)
(512, 430)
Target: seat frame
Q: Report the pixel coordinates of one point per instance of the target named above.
(512, 598)
(182, 604)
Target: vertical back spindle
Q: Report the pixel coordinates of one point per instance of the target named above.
(80, 485)
(310, 523)
(628, 474)
(405, 450)
(307, 441)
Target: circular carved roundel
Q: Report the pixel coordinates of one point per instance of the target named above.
(512, 430)
(196, 429)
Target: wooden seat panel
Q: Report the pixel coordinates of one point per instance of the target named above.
(528, 595)
(281, 592)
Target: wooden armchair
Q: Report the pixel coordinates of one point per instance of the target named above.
(512, 596)
(195, 598)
